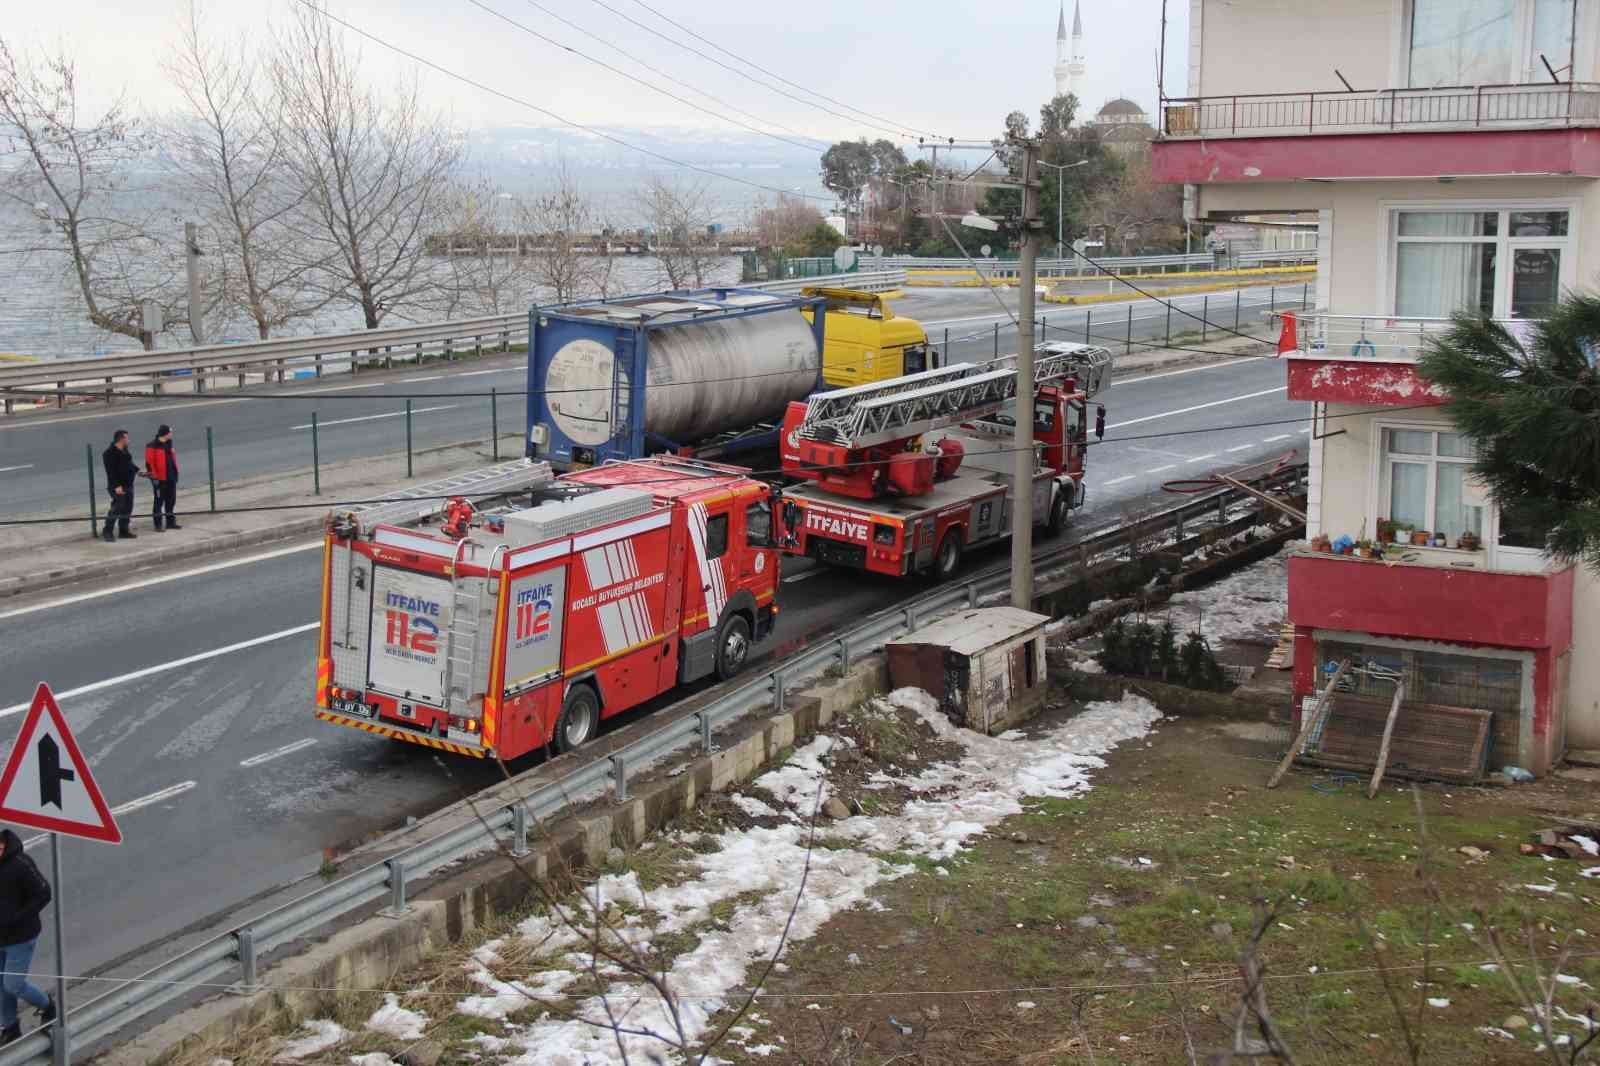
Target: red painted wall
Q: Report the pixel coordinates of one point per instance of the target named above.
(1360, 381)
(1378, 155)
(1432, 603)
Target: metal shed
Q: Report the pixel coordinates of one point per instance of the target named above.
(984, 666)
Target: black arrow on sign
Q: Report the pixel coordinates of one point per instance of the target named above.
(50, 772)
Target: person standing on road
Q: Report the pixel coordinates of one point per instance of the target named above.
(121, 472)
(161, 467)
(24, 894)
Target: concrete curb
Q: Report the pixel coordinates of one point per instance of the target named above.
(376, 949)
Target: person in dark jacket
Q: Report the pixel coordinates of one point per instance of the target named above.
(121, 472)
(24, 893)
(161, 467)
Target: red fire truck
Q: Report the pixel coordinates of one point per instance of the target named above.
(885, 495)
(499, 633)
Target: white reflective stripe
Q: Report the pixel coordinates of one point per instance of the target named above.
(412, 543)
(526, 556)
(598, 567)
(627, 529)
(610, 618)
(641, 615)
(633, 558)
(697, 537)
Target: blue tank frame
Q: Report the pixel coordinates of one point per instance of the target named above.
(551, 328)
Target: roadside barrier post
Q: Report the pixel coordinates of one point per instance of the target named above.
(316, 461)
(211, 471)
(1088, 317)
(88, 458)
(1237, 293)
(1205, 317)
(1304, 288)
(408, 438)
(946, 360)
(494, 423)
(1128, 346)
(1169, 322)
(1272, 297)
(997, 340)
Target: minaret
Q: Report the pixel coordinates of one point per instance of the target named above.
(1075, 68)
(1064, 57)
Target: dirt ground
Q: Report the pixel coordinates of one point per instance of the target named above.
(1108, 928)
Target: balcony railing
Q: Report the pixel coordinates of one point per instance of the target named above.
(1376, 338)
(1383, 110)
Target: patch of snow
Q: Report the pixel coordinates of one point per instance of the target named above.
(762, 1049)
(1026, 1004)
(1492, 1030)
(1541, 888)
(372, 1058)
(392, 1019)
(1250, 603)
(1589, 871)
(1439, 1004)
(321, 1034)
(986, 784)
(797, 781)
(1586, 843)
(752, 806)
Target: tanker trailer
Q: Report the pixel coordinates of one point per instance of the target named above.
(713, 363)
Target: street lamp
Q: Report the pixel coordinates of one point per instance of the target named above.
(1061, 190)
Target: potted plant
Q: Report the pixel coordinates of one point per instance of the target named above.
(1321, 543)
(1468, 541)
(1441, 541)
(1402, 533)
(1386, 530)
(1421, 537)
(1364, 548)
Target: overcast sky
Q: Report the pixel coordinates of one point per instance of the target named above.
(953, 69)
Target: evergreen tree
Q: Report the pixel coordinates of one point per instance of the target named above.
(1532, 407)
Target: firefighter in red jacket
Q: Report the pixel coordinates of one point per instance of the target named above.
(161, 467)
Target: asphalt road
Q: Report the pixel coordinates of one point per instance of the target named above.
(42, 457)
(192, 692)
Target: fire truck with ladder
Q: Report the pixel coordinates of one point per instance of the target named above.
(889, 493)
(503, 631)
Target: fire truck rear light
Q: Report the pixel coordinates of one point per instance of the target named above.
(467, 725)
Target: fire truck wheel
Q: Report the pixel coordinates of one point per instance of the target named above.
(948, 561)
(1058, 516)
(733, 646)
(579, 715)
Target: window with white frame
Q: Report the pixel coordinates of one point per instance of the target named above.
(1489, 42)
(1500, 262)
(1425, 482)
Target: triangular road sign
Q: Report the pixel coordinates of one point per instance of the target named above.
(47, 784)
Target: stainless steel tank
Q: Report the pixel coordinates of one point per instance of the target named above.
(703, 377)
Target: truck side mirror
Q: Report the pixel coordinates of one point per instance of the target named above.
(1100, 421)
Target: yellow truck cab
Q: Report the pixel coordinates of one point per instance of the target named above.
(864, 341)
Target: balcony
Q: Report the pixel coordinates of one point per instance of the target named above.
(1470, 107)
(1463, 132)
(1425, 600)
(1366, 359)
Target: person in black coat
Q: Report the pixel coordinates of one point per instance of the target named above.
(121, 471)
(24, 893)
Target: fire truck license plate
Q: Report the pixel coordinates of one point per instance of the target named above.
(353, 708)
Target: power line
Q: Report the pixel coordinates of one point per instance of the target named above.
(772, 74)
(633, 77)
(896, 130)
(602, 134)
(676, 81)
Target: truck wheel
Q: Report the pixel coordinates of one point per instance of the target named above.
(733, 646)
(1058, 515)
(580, 715)
(948, 560)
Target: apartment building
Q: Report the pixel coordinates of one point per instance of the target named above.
(1450, 153)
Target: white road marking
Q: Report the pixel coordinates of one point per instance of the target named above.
(132, 805)
(1190, 370)
(803, 575)
(338, 388)
(372, 418)
(1202, 458)
(257, 760)
(429, 377)
(1159, 469)
(8, 469)
(160, 668)
(1280, 436)
(1117, 480)
(1201, 407)
(1307, 430)
(480, 373)
(1242, 448)
(162, 579)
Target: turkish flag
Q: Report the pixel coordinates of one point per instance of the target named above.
(1286, 337)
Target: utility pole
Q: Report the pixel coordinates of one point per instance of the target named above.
(191, 246)
(1023, 456)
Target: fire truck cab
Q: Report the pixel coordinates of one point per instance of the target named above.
(540, 622)
(907, 475)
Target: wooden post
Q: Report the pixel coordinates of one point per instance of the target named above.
(1388, 735)
(1313, 720)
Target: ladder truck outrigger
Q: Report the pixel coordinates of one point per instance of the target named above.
(906, 476)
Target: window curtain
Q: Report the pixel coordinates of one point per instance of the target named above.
(1462, 42)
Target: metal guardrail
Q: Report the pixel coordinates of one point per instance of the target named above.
(1380, 338)
(232, 959)
(1071, 266)
(288, 355)
(1379, 111)
(1263, 256)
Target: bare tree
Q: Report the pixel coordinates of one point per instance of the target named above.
(228, 148)
(487, 272)
(784, 223)
(1136, 209)
(563, 219)
(64, 168)
(376, 167)
(680, 214)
